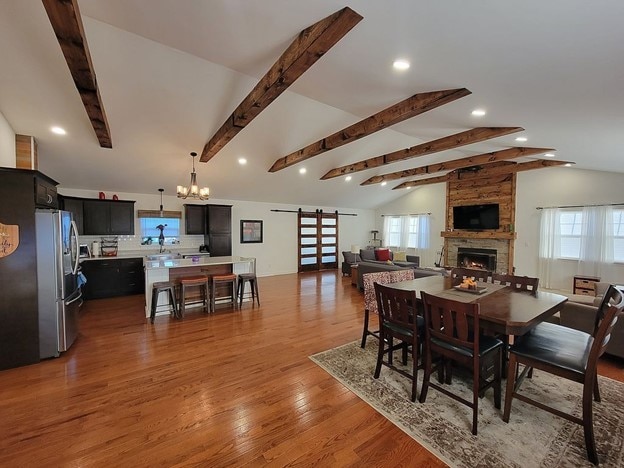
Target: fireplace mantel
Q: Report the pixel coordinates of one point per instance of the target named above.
(478, 235)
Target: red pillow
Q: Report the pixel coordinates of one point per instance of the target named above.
(383, 255)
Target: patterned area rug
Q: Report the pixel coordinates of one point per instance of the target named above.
(533, 438)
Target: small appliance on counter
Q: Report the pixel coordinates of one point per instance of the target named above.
(203, 248)
(84, 251)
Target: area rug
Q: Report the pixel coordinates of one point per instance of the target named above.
(532, 438)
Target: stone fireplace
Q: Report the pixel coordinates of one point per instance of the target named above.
(470, 257)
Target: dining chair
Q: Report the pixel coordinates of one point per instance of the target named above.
(451, 333)
(397, 319)
(459, 274)
(370, 301)
(519, 283)
(570, 354)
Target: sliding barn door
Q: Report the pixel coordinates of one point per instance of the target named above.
(318, 240)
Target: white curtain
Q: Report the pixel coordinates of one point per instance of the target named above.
(596, 251)
(549, 247)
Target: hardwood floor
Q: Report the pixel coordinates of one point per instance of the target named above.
(230, 389)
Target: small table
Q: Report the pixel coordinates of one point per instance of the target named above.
(354, 270)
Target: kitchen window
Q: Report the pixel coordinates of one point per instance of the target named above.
(150, 231)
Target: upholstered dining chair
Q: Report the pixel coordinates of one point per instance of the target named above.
(569, 354)
(397, 319)
(370, 301)
(452, 333)
(519, 283)
(459, 274)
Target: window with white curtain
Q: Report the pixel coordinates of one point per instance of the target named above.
(618, 235)
(593, 236)
(570, 224)
(406, 231)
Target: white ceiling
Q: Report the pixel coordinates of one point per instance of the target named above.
(170, 72)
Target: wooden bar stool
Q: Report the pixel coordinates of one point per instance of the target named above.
(200, 281)
(253, 288)
(217, 280)
(159, 287)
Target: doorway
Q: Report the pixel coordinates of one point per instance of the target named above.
(318, 240)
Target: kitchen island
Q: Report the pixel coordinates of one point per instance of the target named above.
(170, 270)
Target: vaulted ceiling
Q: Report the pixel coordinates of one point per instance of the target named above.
(170, 75)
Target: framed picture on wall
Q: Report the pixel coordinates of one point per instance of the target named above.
(250, 231)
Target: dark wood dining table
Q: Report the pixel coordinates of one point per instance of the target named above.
(502, 311)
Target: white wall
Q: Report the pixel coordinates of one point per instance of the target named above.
(544, 187)
(425, 199)
(277, 254)
(7, 143)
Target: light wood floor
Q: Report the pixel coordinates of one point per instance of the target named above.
(230, 389)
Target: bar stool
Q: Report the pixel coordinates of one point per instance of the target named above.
(190, 281)
(253, 288)
(159, 287)
(217, 280)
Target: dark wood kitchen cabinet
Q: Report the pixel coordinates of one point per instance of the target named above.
(215, 223)
(108, 217)
(19, 313)
(218, 235)
(113, 277)
(75, 206)
(195, 219)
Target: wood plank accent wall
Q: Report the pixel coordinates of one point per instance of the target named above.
(470, 189)
(26, 152)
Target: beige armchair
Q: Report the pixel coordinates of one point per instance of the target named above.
(580, 313)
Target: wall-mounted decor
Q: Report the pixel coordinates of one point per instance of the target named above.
(250, 231)
(9, 239)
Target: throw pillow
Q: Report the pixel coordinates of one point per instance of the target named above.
(367, 254)
(350, 257)
(383, 255)
(399, 256)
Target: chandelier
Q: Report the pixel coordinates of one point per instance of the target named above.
(193, 190)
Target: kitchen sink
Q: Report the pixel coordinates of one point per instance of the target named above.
(163, 256)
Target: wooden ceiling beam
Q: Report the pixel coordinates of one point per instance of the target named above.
(509, 168)
(468, 137)
(309, 46)
(65, 18)
(480, 159)
(410, 107)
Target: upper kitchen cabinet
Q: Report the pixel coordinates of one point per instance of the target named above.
(108, 217)
(195, 219)
(75, 206)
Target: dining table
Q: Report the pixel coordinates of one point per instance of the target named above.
(503, 309)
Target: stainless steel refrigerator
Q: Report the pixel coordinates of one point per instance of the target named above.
(59, 296)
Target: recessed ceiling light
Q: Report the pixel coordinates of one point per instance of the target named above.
(242, 161)
(478, 112)
(383, 184)
(549, 155)
(568, 164)
(303, 170)
(58, 130)
(408, 187)
(521, 139)
(348, 178)
(401, 64)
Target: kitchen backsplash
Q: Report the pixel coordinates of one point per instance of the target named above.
(134, 242)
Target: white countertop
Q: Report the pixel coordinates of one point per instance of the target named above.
(202, 261)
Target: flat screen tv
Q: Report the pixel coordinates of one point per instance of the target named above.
(477, 217)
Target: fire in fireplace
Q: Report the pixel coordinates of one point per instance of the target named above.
(484, 259)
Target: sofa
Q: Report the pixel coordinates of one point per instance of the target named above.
(580, 313)
(380, 256)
